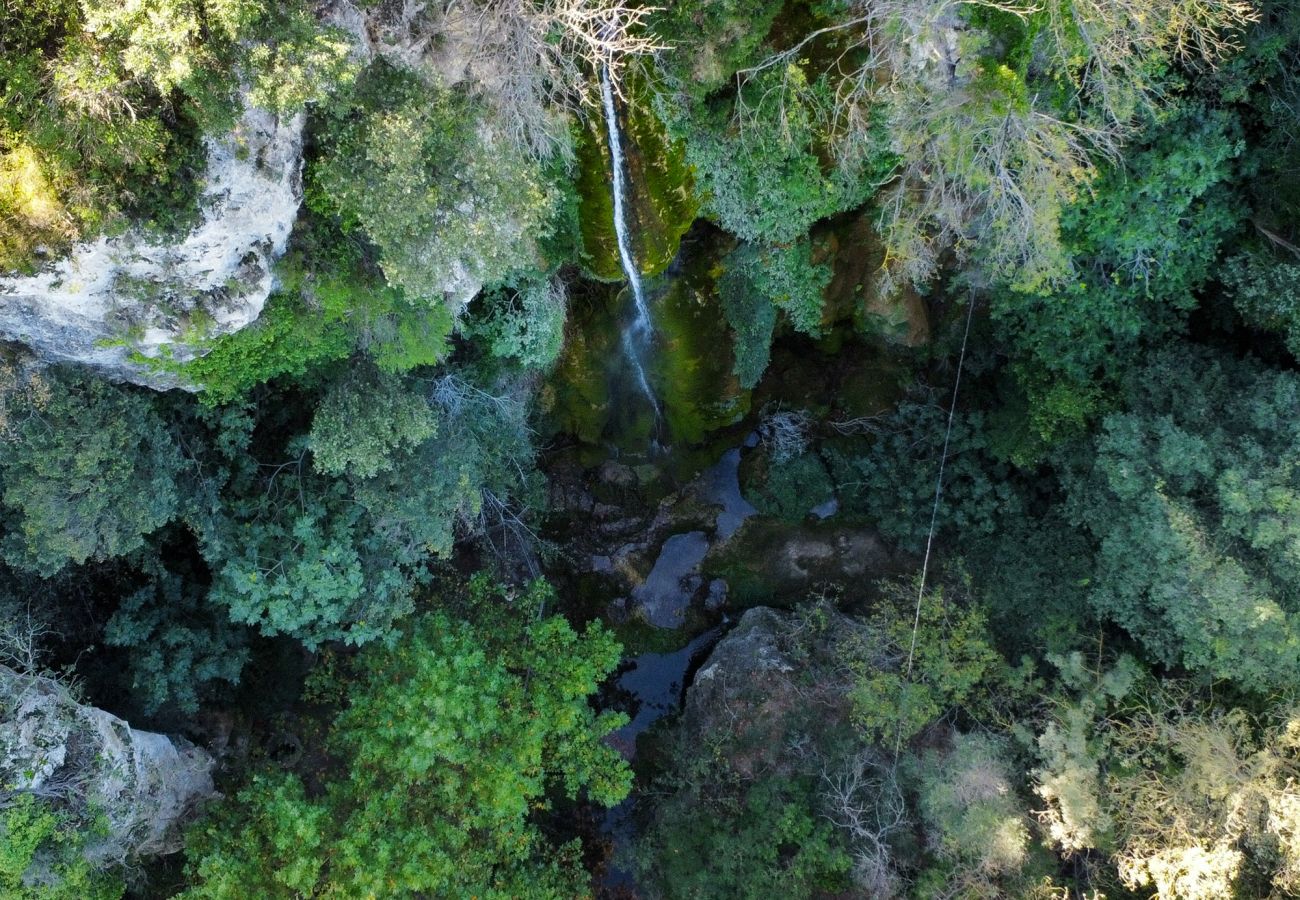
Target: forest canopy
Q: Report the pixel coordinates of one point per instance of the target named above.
(725, 448)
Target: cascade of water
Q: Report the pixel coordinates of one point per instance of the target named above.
(636, 337)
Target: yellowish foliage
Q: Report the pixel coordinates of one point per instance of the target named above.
(31, 212)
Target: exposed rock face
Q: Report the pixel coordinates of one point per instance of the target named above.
(144, 783)
(745, 689)
(134, 292)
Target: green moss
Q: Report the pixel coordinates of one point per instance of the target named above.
(593, 395)
(661, 188)
(692, 369)
(576, 398)
(596, 204)
(664, 203)
(638, 636)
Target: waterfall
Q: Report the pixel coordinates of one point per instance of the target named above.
(636, 337)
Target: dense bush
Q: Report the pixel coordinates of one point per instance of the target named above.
(1190, 494)
(90, 470)
(451, 742)
(450, 206)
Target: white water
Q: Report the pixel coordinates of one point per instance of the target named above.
(636, 337)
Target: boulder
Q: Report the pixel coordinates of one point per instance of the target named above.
(91, 763)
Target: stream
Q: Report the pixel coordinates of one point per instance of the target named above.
(650, 423)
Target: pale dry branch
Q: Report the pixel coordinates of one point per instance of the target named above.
(537, 59)
(980, 168)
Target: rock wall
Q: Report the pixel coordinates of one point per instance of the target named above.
(133, 291)
(88, 760)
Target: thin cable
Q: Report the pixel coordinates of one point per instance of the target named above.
(934, 518)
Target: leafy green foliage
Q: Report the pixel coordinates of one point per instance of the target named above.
(87, 475)
(1145, 240)
(179, 645)
(792, 487)
(307, 562)
(794, 283)
(522, 321)
(364, 420)
(1190, 494)
(1267, 294)
(333, 549)
(453, 739)
(890, 477)
(752, 318)
(474, 474)
(778, 780)
(328, 307)
(1180, 793)
(757, 282)
(287, 339)
(765, 842)
(758, 158)
(41, 856)
(707, 42)
(952, 659)
(447, 210)
(975, 824)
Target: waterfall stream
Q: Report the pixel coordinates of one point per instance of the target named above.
(636, 336)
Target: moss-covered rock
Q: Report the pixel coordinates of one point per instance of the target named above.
(769, 561)
(692, 368)
(661, 189)
(857, 255)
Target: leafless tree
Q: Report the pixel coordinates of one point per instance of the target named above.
(22, 636)
(539, 58)
(863, 797)
(784, 433)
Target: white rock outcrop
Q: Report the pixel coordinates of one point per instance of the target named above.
(135, 292)
(87, 760)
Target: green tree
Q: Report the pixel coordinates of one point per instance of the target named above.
(889, 477)
(365, 419)
(476, 473)
(87, 476)
(759, 281)
(1191, 496)
(1266, 292)
(305, 560)
(1140, 244)
(975, 824)
(178, 644)
(759, 156)
(412, 166)
(452, 741)
(522, 321)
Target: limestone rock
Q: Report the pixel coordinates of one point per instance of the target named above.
(744, 690)
(89, 760)
(133, 291)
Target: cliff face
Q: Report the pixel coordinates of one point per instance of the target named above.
(138, 293)
(134, 291)
(89, 762)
